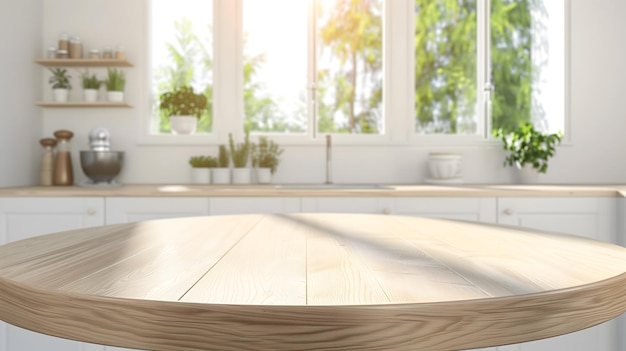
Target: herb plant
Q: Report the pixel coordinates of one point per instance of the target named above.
(266, 154)
(223, 158)
(183, 102)
(60, 79)
(203, 162)
(240, 152)
(526, 145)
(116, 80)
(90, 81)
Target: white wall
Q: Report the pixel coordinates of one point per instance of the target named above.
(598, 73)
(20, 35)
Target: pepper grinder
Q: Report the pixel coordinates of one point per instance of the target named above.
(63, 173)
(46, 171)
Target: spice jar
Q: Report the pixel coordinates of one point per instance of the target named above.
(76, 48)
(94, 54)
(63, 172)
(107, 53)
(119, 53)
(62, 54)
(51, 53)
(64, 42)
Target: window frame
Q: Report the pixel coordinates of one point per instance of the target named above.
(398, 87)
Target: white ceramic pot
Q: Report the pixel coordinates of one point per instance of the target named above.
(526, 174)
(115, 96)
(221, 175)
(90, 95)
(60, 95)
(263, 175)
(200, 175)
(444, 166)
(242, 175)
(183, 124)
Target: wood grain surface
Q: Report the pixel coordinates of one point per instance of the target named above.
(309, 282)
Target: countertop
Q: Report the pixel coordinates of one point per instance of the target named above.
(187, 190)
(309, 282)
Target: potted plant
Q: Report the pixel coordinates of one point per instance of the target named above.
(529, 150)
(240, 154)
(201, 169)
(265, 159)
(184, 108)
(115, 83)
(91, 85)
(61, 86)
(221, 174)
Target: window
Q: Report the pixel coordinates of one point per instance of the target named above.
(364, 69)
(482, 64)
(317, 64)
(181, 55)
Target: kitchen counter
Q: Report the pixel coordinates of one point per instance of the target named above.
(477, 190)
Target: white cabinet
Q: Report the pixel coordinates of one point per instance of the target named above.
(250, 205)
(135, 209)
(593, 218)
(25, 217)
(476, 209)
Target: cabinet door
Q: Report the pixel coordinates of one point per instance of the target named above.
(589, 217)
(251, 205)
(476, 209)
(344, 205)
(26, 217)
(135, 209)
(593, 218)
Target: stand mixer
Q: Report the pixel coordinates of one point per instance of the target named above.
(101, 164)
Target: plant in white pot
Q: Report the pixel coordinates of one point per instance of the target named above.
(115, 83)
(61, 86)
(240, 153)
(221, 174)
(201, 169)
(184, 108)
(529, 150)
(265, 159)
(91, 85)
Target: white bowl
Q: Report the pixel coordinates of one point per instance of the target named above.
(183, 124)
(444, 166)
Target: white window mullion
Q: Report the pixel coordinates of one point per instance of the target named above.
(484, 87)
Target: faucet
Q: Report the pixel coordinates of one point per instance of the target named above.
(329, 163)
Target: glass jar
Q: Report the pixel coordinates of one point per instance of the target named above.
(107, 53)
(76, 48)
(51, 53)
(94, 54)
(62, 54)
(64, 42)
(119, 53)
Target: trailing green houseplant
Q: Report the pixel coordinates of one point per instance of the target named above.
(528, 146)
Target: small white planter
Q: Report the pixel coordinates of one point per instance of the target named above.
(200, 175)
(183, 124)
(263, 175)
(526, 174)
(60, 95)
(90, 95)
(115, 96)
(221, 175)
(242, 175)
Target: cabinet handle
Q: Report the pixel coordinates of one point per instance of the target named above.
(508, 212)
(386, 211)
(91, 211)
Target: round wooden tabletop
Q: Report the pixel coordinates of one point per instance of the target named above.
(309, 282)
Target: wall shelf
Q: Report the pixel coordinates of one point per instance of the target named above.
(84, 63)
(82, 104)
